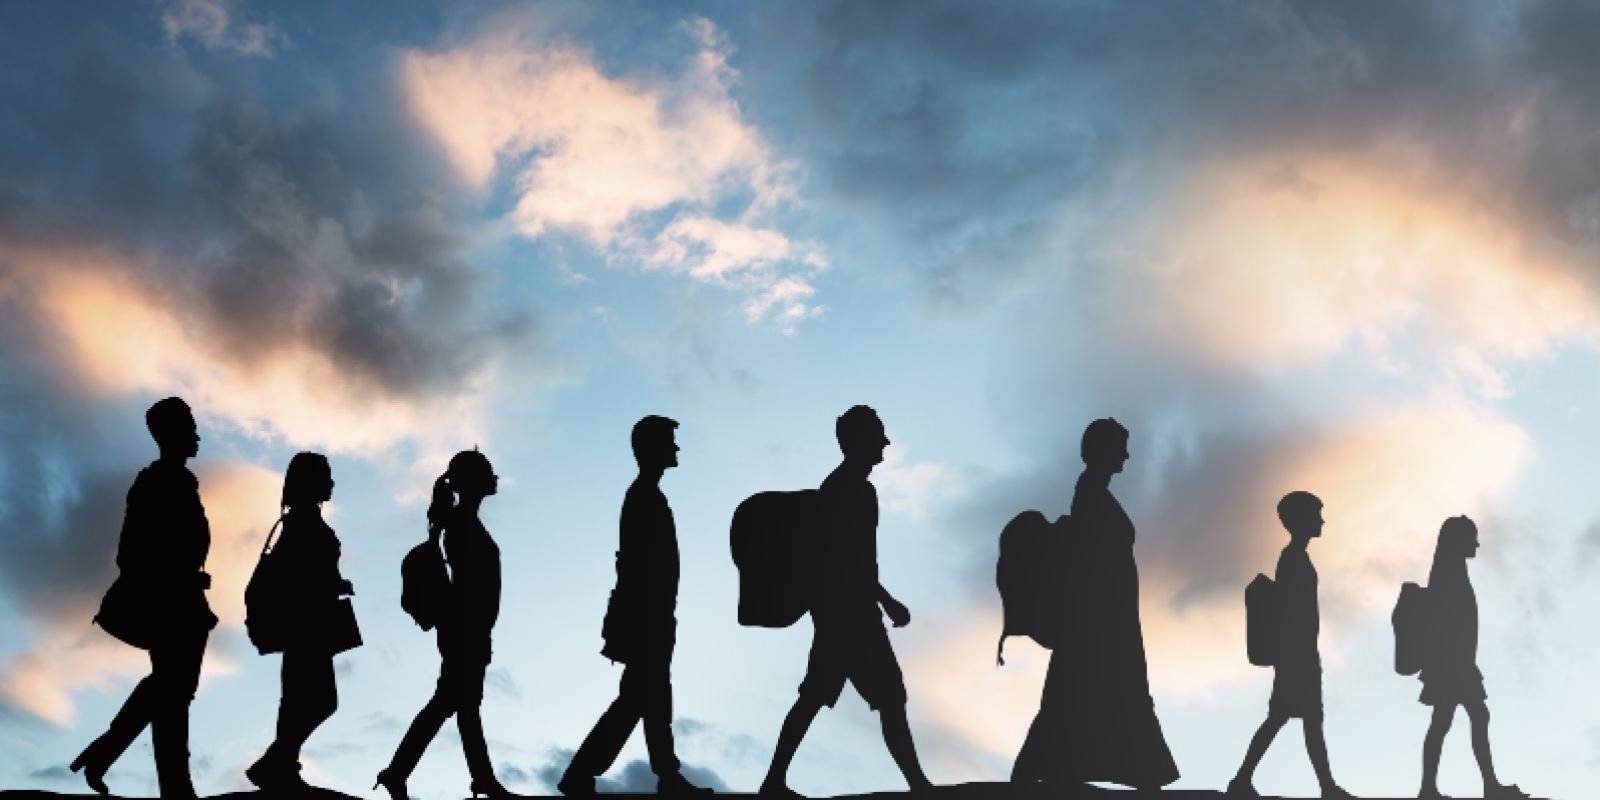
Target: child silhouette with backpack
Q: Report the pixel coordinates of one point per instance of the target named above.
(1291, 606)
(1449, 662)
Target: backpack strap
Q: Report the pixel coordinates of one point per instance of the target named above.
(267, 545)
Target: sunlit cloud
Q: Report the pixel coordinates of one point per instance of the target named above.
(124, 341)
(1283, 261)
(597, 155)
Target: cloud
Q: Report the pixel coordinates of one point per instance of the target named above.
(634, 777)
(213, 24)
(637, 167)
(913, 489)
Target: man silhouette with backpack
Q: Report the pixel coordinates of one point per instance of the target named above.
(847, 608)
(640, 629)
(1296, 664)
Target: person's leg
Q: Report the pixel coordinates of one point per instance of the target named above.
(600, 748)
(468, 696)
(795, 725)
(1258, 748)
(1433, 745)
(176, 672)
(423, 728)
(1317, 749)
(897, 735)
(654, 692)
(125, 726)
(310, 696)
(1478, 715)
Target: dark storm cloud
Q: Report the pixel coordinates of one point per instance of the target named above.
(268, 221)
(269, 224)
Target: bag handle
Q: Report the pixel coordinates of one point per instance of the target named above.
(267, 545)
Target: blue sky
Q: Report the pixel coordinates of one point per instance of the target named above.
(1346, 247)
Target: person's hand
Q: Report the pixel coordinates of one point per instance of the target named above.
(204, 579)
(346, 587)
(897, 611)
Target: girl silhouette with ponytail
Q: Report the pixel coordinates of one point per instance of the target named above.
(464, 626)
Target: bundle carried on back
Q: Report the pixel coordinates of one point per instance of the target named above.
(773, 537)
(1034, 579)
(1410, 620)
(1263, 620)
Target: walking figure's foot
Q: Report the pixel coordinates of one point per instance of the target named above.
(675, 785)
(491, 788)
(393, 784)
(779, 791)
(1242, 788)
(1432, 794)
(1506, 791)
(271, 775)
(93, 775)
(577, 785)
(1335, 792)
(922, 786)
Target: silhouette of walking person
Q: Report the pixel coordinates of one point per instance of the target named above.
(158, 603)
(306, 566)
(464, 627)
(1096, 720)
(640, 628)
(849, 641)
(1297, 665)
(1450, 675)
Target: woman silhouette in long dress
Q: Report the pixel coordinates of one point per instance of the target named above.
(307, 553)
(1450, 675)
(1097, 721)
(463, 630)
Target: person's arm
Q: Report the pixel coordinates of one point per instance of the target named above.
(897, 611)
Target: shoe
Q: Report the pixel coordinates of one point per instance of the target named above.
(1505, 791)
(675, 785)
(1432, 795)
(1239, 788)
(1336, 792)
(779, 791)
(95, 776)
(272, 775)
(393, 784)
(572, 785)
(491, 788)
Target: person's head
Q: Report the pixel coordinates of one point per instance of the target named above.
(470, 475)
(1105, 445)
(653, 443)
(308, 481)
(1301, 514)
(1458, 538)
(171, 424)
(861, 436)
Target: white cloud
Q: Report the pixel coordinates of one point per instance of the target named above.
(914, 489)
(601, 157)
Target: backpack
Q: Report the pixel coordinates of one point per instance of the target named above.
(424, 584)
(1262, 623)
(1032, 577)
(1410, 621)
(264, 608)
(772, 538)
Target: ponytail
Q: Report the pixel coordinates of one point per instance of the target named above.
(444, 501)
